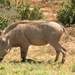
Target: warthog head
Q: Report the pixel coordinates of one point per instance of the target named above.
(4, 46)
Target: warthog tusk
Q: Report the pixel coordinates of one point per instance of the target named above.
(7, 51)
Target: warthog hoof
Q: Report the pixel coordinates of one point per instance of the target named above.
(63, 61)
(23, 60)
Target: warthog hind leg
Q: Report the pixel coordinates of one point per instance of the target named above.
(59, 49)
(57, 55)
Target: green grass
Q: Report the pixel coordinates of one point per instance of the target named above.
(18, 68)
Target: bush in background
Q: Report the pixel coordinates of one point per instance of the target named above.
(5, 2)
(3, 22)
(28, 14)
(66, 14)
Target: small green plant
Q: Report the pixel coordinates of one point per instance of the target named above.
(66, 14)
(35, 14)
(28, 14)
(5, 2)
(73, 68)
(25, 12)
(3, 22)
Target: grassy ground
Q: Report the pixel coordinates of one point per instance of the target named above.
(44, 68)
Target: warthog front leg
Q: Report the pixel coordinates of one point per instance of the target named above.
(24, 53)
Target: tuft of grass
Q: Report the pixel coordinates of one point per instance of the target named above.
(73, 68)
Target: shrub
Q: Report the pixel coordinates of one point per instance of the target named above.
(5, 2)
(35, 14)
(25, 12)
(3, 22)
(73, 68)
(28, 14)
(66, 14)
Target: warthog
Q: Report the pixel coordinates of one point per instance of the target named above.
(26, 33)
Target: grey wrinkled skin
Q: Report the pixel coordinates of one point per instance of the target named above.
(25, 33)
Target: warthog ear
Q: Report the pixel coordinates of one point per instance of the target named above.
(0, 32)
